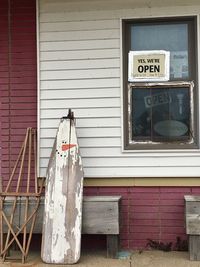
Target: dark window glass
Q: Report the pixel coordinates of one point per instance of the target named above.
(160, 114)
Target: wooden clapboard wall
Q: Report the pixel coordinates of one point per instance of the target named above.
(80, 55)
(18, 86)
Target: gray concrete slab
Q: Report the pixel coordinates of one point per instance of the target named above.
(98, 259)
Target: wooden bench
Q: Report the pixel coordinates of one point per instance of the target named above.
(100, 216)
(192, 217)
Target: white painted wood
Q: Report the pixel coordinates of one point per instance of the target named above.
(135, 12)
(79, 45)
(80, 103)
(152, 172)
(38, 81)
(62, 224)
(63, 16)
(142, 171)
(83, 113)
(149, 162)
(80, 69)
(80, 64)
(81, 54)
(85, 83)
(82, 74)
(115, 152)
(88, 142)
(90, 151)
(79, 35)
(69, 94)
(79, 25)
(110, 4)
(88, 132)
(106, 162)
(91, 122)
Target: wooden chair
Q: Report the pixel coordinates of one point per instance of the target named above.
(21, 185)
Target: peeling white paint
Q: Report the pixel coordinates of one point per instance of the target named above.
(78, 218)
(63, 199)
(58, 228)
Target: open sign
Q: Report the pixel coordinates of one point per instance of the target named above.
(157, 99)
(148, 66)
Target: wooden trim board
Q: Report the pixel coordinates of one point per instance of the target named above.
(160, 181)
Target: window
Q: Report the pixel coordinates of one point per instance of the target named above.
(161, 115)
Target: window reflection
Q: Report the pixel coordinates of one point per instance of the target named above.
(160, 114)
(147, 36)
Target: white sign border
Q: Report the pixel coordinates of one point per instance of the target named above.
(131, 55)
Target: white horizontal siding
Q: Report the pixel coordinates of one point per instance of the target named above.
(81, 113)
(80, 64)
(80, 103)
(89, 142)
(129, 162)
(68, 6)
(80, 54)
(85, 83)
(63, 15)
(85, 132)
(115, 152)
(89, 122)
(79, 35)
(158, 171)
(82, 74)
(88, 93)
(153, 172)
(79, 25)
(80, 69)
(79, 45)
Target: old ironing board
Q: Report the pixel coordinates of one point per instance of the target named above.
(63, 198)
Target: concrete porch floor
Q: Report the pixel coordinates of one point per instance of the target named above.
(98, 259)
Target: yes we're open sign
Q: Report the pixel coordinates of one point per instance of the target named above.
(148, 66)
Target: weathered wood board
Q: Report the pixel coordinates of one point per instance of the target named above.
(194, 245)
(192, 215)
(61, 239)
(192, 218)
(100, 216)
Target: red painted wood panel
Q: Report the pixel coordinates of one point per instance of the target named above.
(18, 82)
(156, 213)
